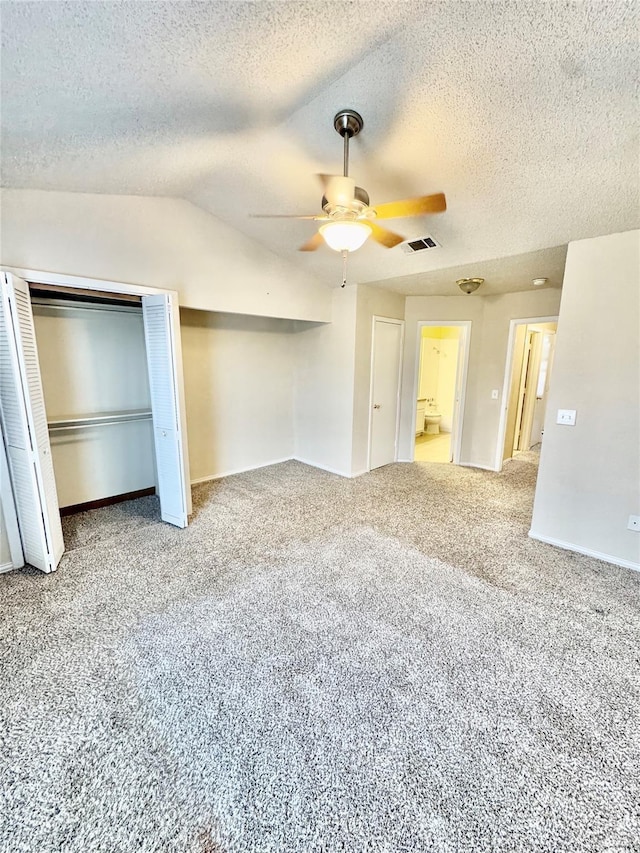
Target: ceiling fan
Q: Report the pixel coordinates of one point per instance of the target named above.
(349, 218)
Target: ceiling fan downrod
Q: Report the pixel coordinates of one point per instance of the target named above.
(347, 123)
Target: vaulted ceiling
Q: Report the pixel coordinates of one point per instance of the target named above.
(523, 113)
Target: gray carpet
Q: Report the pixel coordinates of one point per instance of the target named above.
(317, 665)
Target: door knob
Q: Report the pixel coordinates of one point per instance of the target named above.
(376, 405)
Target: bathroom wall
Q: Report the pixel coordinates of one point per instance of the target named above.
(438, 369)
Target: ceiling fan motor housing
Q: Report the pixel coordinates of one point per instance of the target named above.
(355, 207)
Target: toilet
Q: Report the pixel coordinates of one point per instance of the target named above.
(432, 423)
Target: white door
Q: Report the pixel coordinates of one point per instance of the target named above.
(386, 356)
(24, 426)
(165, 408)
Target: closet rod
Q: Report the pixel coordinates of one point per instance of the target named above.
(98, 420)
(60, 305)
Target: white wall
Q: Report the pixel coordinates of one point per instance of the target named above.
(239, 374)
(92, 362)
(490, 317)
(157, 242)
(589, 478)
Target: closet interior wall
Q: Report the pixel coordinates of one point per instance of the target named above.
(96, 389)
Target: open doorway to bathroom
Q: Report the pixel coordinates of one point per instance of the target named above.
(527, 385)
(442, 369)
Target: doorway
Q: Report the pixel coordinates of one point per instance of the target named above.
(527, 377)
(441, 380)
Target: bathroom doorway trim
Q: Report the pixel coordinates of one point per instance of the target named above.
(462, 371)
(504, 400)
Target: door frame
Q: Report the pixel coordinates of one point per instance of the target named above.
(462, 372)
(394, 321)
(506, 383)
(107, 286)
(9, 512)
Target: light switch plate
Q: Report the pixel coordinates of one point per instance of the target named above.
(634, 523)
(566, 417)
(495, 394)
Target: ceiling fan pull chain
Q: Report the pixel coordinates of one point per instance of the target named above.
(345, 255)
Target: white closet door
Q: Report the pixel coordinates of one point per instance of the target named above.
(24, 424)
(161, 363)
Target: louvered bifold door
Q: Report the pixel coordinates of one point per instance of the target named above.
(161, 362)
(24, 424)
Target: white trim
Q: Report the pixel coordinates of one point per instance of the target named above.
(396, 322)
(6, 567)
(8, 510)
(475, 465)
(464, 349)
(506, 382)
(588, 552)
(211, 477)
(322, 467)
(64, 280)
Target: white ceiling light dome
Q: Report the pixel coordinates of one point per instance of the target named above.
(345, 235)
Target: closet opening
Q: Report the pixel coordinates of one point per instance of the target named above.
(91, 404)
(93, 366)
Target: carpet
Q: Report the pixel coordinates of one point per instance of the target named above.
(317, 665)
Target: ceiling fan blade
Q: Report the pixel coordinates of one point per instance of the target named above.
(284, 216)
(383, 235)
(314, 243)
(436, 203)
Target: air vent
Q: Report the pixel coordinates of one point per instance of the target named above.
(420, 245)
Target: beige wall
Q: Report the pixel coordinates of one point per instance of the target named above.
(589, 479)
(157, 242)
(490, 317)
(239, 375)
(324, 387)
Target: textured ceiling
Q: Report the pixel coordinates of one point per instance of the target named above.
(524, 114)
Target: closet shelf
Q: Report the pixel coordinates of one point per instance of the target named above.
(103, 419)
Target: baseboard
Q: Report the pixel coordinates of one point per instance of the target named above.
(588, 552)
(210, 477)
(475, 465)
(5, 567)
(322, 467)
(72, 509)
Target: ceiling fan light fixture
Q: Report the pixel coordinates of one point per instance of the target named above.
(345, 236)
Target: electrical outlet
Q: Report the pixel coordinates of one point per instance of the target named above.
(634, 523)
(566, 417)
